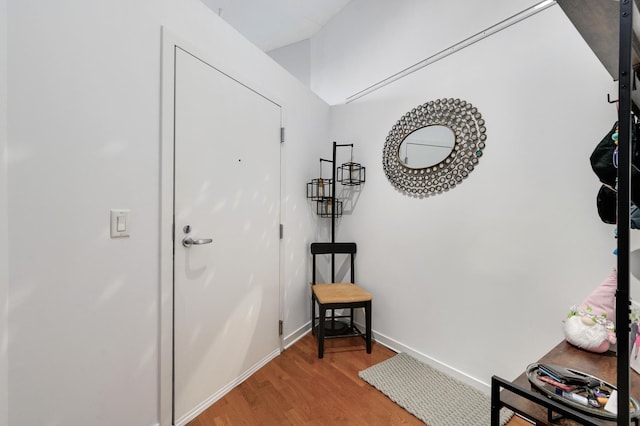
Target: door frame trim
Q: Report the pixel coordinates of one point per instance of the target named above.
(171, 42)
(165, 373)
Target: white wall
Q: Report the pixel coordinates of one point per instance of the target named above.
(371, 40)
(479, 279)
(83, 137)
(296, 59)
(4, 255)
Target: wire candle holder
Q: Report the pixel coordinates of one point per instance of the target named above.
(322, 190)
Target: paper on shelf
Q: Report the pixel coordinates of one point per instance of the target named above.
(612, 404)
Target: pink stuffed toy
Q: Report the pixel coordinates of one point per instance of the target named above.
(590, 324)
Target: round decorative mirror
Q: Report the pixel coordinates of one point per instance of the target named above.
(433, 147)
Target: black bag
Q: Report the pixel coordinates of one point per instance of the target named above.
(606, 202)
(602, 162)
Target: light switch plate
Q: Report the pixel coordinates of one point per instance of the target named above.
(120, 223)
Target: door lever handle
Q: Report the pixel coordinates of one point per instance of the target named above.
(188, 241)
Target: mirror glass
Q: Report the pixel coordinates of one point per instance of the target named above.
(426, 146)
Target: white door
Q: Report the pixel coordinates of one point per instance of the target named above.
(227, 189)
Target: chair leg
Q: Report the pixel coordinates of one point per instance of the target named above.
(313, 313)
(367, 314)
(322, 313)
(351, 319)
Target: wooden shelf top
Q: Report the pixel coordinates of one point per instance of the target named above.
(600, 365)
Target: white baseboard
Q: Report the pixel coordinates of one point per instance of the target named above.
(225, 390)
(296, 335)
(396, 346)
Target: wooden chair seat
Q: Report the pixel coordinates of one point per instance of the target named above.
(340, 293)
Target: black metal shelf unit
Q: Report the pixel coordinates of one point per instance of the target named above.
(626, 84)
(597, 21)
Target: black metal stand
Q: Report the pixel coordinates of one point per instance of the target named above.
(334, 327)
(352, 174)
(625, 86)
(333, 202)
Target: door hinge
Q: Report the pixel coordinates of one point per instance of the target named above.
(281, 134)
(281, 231)
(280, 327)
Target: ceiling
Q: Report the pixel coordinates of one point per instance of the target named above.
(271, 24)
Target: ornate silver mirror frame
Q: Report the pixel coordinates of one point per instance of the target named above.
(469, 129)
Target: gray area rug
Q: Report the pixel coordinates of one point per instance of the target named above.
(432, 396)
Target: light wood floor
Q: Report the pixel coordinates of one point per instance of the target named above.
(297, 388)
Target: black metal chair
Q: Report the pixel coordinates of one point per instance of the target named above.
(332, 296)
